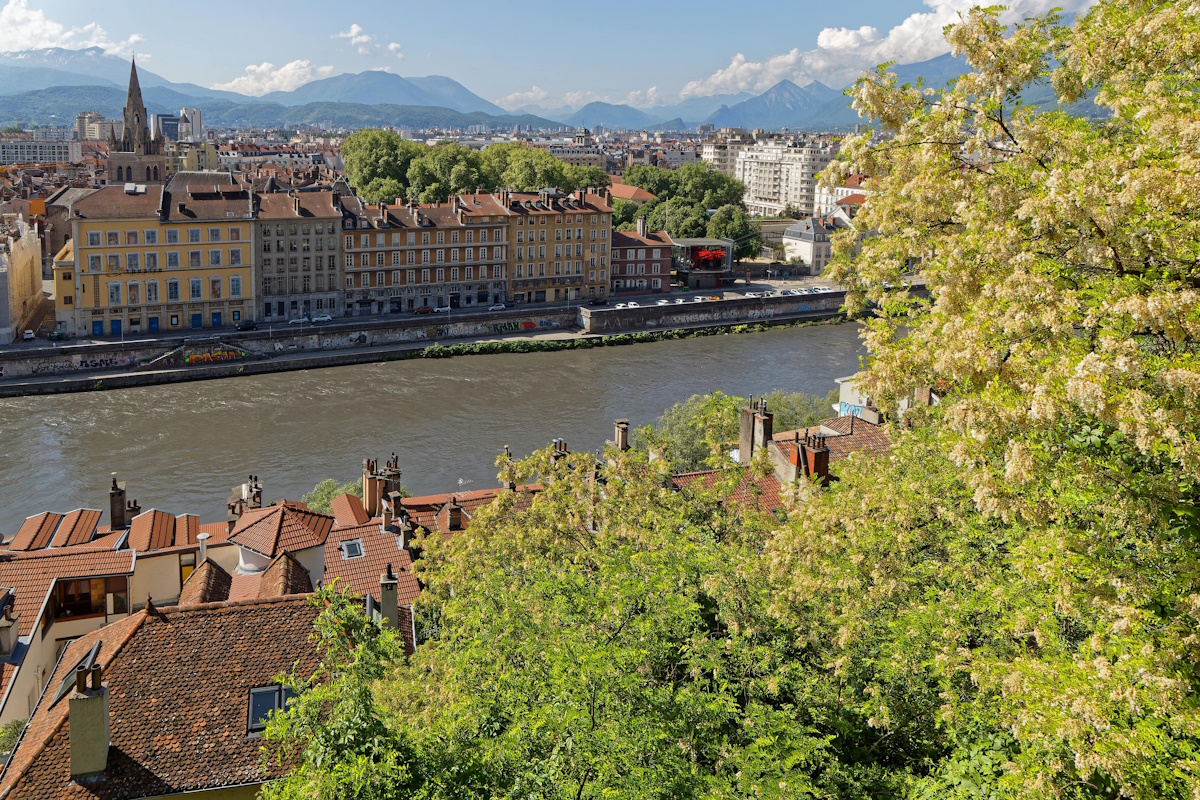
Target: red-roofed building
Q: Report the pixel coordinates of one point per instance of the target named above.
(183, 697)
(358, 557)
(631, 194)
(641, 260)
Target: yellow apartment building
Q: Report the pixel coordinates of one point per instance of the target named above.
(558, 245)
(160, 258)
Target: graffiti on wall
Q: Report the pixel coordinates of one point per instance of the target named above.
(76, 365)
(214, 357)
(761, 313)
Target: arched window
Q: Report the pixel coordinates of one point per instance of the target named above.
(120, 174)
(147, 173)
(156, 173)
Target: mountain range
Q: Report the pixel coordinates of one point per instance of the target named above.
(50, 86)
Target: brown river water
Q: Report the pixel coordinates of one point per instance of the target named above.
(180, 447)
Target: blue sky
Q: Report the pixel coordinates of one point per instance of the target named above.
(644, 53)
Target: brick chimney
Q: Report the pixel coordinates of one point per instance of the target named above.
(116, 504)
(641, 225)
(454, 515)
(621, 435)
(371, 496)
(817, 458)
(764, 422)
(89, 726)
(746, 433)
(389, 598)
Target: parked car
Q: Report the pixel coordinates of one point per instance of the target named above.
(598, 301)
(423, 310)
(715, 297)
(680, 301)
(699, 299)
(300, 321)
(751, 294)
(663, 303)
(442, 310)
(57, 336)
(27, 336)
(632, 304)
(322, 319)
(497, 307)
(621, 305)
(247, 325)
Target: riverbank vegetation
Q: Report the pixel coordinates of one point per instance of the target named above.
(1007, 605)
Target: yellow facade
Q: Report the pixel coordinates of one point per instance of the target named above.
(64, 286)
(191, 157)
(141, 275)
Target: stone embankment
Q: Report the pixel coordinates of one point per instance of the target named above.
(87, 367)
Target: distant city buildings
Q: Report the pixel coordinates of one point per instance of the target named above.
(25, 149)
(782, 174)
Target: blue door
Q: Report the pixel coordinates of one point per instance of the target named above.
(116, 327)
(216, 319)
(153, 324)
(97, 328)
(197, 320)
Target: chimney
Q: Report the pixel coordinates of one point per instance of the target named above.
(387, 519)
(203, 540)
(404, 538)
(764, 422)
(621, 435)
(641, 226)
(454, 515)
(817, 458)
(746, 433)
(89, 727)
(370, 488)
(116, 504)
(296, 205)
(389, 598)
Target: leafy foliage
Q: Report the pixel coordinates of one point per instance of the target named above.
(322, 494)
(686, 195)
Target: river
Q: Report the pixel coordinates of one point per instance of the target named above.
(180, 447)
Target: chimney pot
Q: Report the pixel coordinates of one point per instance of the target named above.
(81, 675)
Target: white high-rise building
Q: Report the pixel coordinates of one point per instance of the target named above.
(782, 174)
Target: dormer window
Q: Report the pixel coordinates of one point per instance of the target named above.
(265, 701)
(352, 549)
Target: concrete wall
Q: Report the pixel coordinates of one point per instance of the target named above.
(715, 312)
(85, 358)
(156, 576)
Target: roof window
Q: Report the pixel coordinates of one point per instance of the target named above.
(352, 549)
(265, 701)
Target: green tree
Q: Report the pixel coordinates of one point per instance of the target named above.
(374, 155)
(443, 171)
(625, 214)
(732, 222)
(322, 494)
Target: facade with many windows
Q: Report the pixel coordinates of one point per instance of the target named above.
(641, 261)
(558, 245)
(299, 255)
(403, 258)
(151, 258)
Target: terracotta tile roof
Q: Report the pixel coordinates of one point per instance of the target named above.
(36, 532)
(623, 191)
(763, 493)
(286, 526)
(627, 239)
(31, 575)
(152, 530)
(77, 527)
(208, 583)
(362, 574)
(348, 510)
(432, 511)
(179, 683)
(856, 199)
(283, 576)
(843, 436)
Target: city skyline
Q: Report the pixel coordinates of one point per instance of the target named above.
(644, 65)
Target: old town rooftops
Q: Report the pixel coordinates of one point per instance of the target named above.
(151, 531)
(283, 526)
(178, 682)
(274, 205)
(843, 436)
(447, 513)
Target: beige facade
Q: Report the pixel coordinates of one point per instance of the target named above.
(558, 245)
(299, 255)
(20, 275)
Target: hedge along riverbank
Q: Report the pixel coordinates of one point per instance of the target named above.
(614, 340)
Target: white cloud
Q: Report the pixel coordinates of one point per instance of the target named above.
(359, 38)
(643, 99)
(576, 99)
(395, 49)
(26, 29)
(535, 95)
(263, 78)
(842, 54)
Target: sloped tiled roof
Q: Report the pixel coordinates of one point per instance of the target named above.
(208, 583)
(843, 436)
(77, 527)
(179, 683)
(285, 526)
(361, 575)
(348, 510)
(431, 511)
(763, 493)
(284, 575)
(31, 575)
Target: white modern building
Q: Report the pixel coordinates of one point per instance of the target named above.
(782, 174)
(28, 150)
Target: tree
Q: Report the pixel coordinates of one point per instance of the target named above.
(322, 494)
(732, 222)
(443, 171)
(374, 155)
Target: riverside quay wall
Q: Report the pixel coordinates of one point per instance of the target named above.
(230, 348)
(735, 311)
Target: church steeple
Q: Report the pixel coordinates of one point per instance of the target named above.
(136, 137)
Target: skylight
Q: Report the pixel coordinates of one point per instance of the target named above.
(352, 549)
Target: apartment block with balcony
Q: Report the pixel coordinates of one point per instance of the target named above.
(404, 258)
(782, 174)
(558, 244)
